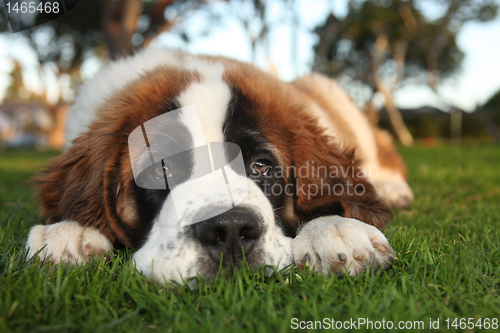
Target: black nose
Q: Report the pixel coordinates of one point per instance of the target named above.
(228, 234)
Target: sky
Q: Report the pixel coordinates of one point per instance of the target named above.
(478, 79)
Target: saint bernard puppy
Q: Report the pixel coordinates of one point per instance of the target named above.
(198, 162)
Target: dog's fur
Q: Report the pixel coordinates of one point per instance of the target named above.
(95, 205)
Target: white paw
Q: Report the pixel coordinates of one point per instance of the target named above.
(337, 244)
(395, 192)
(67, 241)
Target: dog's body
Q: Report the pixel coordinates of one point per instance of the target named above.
(307, 155)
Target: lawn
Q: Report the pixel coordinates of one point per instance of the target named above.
(447, 267)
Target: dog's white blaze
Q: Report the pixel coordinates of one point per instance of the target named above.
(211, 98)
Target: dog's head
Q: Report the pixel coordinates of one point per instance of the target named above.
(201, 165)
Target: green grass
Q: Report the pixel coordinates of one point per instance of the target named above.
(447, 266)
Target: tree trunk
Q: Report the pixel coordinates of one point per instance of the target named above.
(392, 110)
(456, 126)
(119, 23)
(56, 135)
(394, 115)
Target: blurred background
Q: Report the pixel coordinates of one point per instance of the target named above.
(428, 70)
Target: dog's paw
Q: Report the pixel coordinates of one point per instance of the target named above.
(67, 242)
(337, 244)
(395, 192)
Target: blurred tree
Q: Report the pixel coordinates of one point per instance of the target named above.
(383, 43)
(130, 24)
(105, 29)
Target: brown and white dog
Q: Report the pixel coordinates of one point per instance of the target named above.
(308, 157)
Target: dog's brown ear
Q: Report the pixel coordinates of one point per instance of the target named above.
(330, 181)
(80, 185)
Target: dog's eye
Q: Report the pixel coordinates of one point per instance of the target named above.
(159, 170)
(260, 168)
